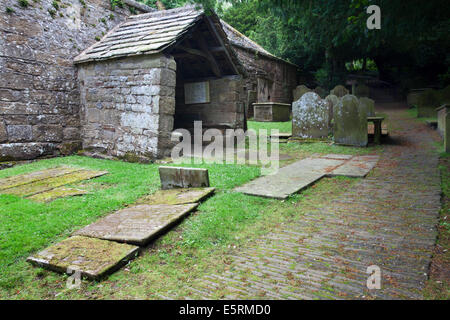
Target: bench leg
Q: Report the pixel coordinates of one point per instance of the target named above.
(377, 132)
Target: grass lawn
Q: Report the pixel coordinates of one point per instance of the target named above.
(222, 223)
(283, 127)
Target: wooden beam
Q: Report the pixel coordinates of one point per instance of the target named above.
(212, 61)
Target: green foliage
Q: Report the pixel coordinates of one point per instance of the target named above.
(52, 12)
(116, 3)
(168, 4)
(23, 3)
(10, 10)
(55, 5)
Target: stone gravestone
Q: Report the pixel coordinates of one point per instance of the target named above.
(321, 92)
(310, 117)
(350, 122)
(427, 102)
(443, 116)
(300, 91)
(369, 105)
(179, 177)
(339, 91)
(361, 90)
(332, 102)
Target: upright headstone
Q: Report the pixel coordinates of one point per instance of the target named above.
(361, 90)
(180, 177)
(300, 91)
(310, 117)
(427, 102)
(339, 91)
(332, 102)
(321, 92)
(350, 122)
(369, 105)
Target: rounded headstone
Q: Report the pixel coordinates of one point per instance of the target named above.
(321, 92)
(299, 91)
(310, 117)
(369, 105)
(339, 91)
(350, 122)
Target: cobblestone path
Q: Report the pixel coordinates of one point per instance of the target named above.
(387, 219)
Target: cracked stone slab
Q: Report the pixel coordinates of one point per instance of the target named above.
(138, 224)
(177, 196)
(337, 156)
(54, 182)
(23, 179)
(93, 258)
(57, 193)
(290, 179)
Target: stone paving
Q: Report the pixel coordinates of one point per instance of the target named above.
(301, 174)
(388, 219)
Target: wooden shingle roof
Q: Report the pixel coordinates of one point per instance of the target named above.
(147, 33)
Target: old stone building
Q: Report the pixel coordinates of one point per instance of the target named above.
(151, 73)
(154, 73)
(270, 78)
(39, 96)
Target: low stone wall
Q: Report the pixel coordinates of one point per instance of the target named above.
(39, 97)
(128, 105)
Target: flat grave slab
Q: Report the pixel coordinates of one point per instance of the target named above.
(357, 167)
(57, 193)
(138, 224)
(290, 179)
(94, 258)
(23, 179)
(301, 174)
(177, 196)
(53, 182)
(181, 177)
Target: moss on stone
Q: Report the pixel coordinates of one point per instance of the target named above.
(57, 193)
(177, 196)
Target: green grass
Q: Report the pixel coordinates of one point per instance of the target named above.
(413, 112)
(283, 127)
(28, 226)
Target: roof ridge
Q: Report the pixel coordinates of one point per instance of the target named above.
(157, 13)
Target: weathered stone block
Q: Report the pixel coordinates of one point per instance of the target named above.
(271, 111)
(3, 132)
(19, 133)
(48, 133)
(321, 92)
(310, 117)
(350, 122)
(25, 151)
(179, 177)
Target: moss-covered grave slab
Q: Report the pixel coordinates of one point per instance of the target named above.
(177, 196)
(93, 258)
(138, 224)
(53, 182)
(57, 193)
(23, 179)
